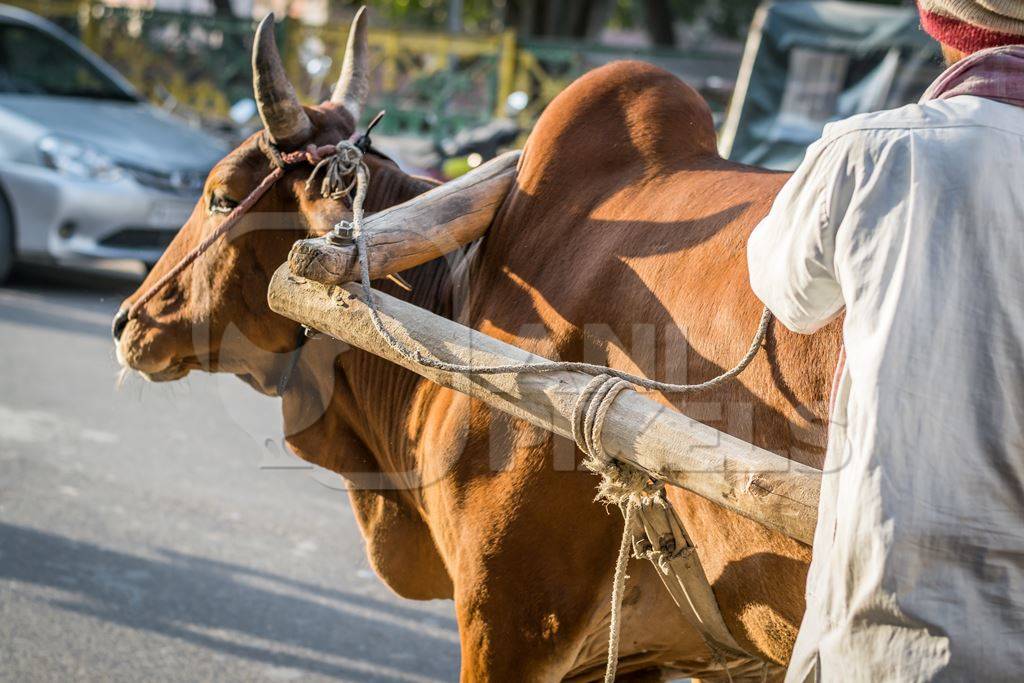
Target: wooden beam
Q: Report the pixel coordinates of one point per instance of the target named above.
(422, 229)
(753, 482)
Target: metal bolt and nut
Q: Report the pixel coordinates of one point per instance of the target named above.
(342, 235)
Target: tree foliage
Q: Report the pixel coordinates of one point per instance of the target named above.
(575, 18)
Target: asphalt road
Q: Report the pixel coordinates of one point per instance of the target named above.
(149, 533)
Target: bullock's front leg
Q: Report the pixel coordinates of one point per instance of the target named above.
(531, 554)
(534, 621)
(526, 604)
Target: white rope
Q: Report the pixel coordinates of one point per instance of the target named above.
(336, 169)
(618, 588)
(362, 183)
(621, 484)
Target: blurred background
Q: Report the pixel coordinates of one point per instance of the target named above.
(163, 532)
(101, 91)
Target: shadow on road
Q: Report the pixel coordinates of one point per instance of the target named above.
(225, 607)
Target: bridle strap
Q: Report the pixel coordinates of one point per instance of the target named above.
(236, 215)
(311, 155)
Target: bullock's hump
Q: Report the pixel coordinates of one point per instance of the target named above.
(621, 112)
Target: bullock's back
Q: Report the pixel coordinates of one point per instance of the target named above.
(624, 214)
(624, 243)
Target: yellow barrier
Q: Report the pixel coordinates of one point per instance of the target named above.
(429, 82)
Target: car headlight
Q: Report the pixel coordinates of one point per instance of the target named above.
(78, 160)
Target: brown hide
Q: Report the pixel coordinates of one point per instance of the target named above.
(624, 242)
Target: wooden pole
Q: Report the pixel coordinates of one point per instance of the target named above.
(753, 482)
(422, 229)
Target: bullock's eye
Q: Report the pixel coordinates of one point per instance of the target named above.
(221, 204)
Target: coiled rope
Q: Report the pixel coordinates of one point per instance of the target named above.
(620, 484)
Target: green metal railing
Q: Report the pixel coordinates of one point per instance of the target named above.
(430, 83)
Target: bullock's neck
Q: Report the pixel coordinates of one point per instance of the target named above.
(373, 405)
(387, 401)
(384, 394)
(390, 186)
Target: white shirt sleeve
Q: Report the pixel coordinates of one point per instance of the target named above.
(791, 253)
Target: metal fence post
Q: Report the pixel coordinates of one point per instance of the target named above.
(288, 37)
(88, 25)
(506, 70)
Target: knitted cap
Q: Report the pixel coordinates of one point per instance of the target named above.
(972, 25)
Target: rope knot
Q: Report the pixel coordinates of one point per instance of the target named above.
(620, 484)
(339, 165)
(624, 485)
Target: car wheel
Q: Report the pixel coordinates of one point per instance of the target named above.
(6, 240)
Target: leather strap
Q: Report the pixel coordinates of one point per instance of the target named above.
(660, 536)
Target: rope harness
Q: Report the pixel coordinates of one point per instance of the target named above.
(333, 162)
(647, 515)
(311, 155)
(652, 530)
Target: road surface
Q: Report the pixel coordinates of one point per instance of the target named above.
(147, 533)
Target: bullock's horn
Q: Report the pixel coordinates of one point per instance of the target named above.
(285, 119)
(354, 83)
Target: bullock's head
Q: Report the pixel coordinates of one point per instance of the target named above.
(214, 315)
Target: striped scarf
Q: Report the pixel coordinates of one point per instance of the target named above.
(996, 74)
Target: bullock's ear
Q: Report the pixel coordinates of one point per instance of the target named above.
(354, 82)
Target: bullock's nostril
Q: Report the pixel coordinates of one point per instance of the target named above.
(120, 321)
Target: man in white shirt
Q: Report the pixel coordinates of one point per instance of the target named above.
(912, 221)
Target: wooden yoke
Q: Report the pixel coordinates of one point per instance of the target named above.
(422, 229)
(768, 488)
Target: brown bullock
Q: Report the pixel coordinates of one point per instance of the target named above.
(623, 241)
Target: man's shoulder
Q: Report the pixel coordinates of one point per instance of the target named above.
(959, 116)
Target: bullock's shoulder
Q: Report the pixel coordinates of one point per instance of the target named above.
(622, 113)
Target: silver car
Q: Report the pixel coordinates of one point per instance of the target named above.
(88, 171)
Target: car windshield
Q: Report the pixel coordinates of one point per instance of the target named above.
(33, 62)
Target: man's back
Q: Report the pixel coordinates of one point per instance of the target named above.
(919, 235)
